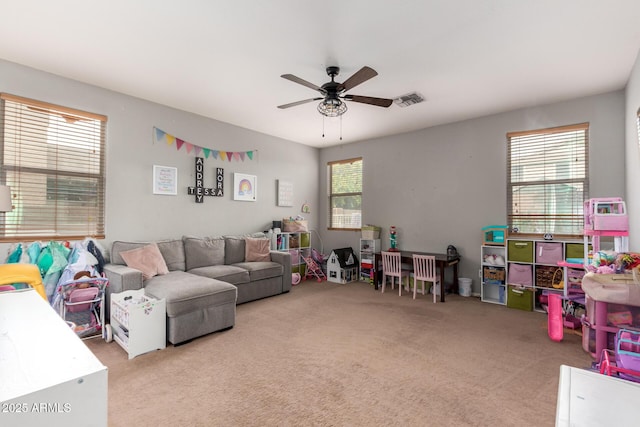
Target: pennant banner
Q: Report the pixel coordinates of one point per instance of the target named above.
(238, 156)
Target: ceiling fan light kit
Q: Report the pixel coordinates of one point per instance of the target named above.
(332, 104)
(332, 107)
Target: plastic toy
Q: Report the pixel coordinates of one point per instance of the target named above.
(555, 324)
(393, 239)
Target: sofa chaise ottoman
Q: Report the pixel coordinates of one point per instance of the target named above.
(201, 279)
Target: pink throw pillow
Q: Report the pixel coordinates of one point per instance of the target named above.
(147, 259)
(256, 250)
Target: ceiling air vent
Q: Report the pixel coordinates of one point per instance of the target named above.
(408, 99)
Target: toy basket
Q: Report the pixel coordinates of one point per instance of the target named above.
(556, 280)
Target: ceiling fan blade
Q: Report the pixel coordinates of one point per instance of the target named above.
(365, 73)
(380, 102)
(302, 82)
(293, 104)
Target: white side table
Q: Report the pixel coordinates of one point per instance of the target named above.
(138, 322)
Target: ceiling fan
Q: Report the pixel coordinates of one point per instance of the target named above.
(333, 92)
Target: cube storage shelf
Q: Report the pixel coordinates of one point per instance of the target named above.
(535, 268)
(138, 322)
(298, 244)
(368, 250)
(493, 274)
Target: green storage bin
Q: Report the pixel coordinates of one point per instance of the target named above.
(575, 250)
(520, 250)
(520, 298)
(305, 240)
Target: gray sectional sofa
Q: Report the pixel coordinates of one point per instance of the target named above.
(204, 279)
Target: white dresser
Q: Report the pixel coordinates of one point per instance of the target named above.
(48, 376)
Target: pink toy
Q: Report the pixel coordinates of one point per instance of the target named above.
(555, 324)
(606, 214)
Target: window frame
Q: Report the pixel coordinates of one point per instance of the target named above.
(331, 195)
(544, 139)
(45, 185)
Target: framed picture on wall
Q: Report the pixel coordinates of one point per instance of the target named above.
(285, 193)
(245, 187)
(165, 180)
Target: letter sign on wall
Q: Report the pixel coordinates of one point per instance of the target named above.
(199, 190)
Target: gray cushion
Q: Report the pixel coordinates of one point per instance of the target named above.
(261, 269)
(233, 250)
(203, 252)
(173, 253)
(185, 293)
(227, 273)
(118, 246)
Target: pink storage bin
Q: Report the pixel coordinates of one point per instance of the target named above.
(520, 274)
(548, 253)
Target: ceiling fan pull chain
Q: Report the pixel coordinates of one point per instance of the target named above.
(340, 128)
(323, 126)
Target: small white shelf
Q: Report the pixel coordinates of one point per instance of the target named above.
(138, 322)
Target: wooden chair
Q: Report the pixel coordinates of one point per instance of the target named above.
(392, 267)
(424, 270)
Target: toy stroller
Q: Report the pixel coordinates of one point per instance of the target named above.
(80, 303)
(313, 269)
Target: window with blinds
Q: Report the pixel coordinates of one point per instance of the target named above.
(345, 195)
(53, 159)
(548, 180)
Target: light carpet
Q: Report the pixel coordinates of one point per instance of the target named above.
(345, 355)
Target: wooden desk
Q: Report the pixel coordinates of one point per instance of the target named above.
(442, 261)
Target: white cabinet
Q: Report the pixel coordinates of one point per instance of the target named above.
(48, 376)
(138, 322)
(298, 244)
(493, 274)
(368, 250)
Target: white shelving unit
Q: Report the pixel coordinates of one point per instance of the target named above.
(493, 274)
(298, 244)
(368, 250)
(138, 322)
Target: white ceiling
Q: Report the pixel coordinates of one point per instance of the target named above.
(223, 59)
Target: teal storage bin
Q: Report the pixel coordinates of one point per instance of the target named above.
(494, 234)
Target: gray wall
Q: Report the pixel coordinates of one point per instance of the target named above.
(632, 159)
(133, 212)
(441, 185)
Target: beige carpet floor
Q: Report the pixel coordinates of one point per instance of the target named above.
(346, 355)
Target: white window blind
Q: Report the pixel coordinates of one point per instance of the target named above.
(52, 158)
(548, 180)
(345, 195)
